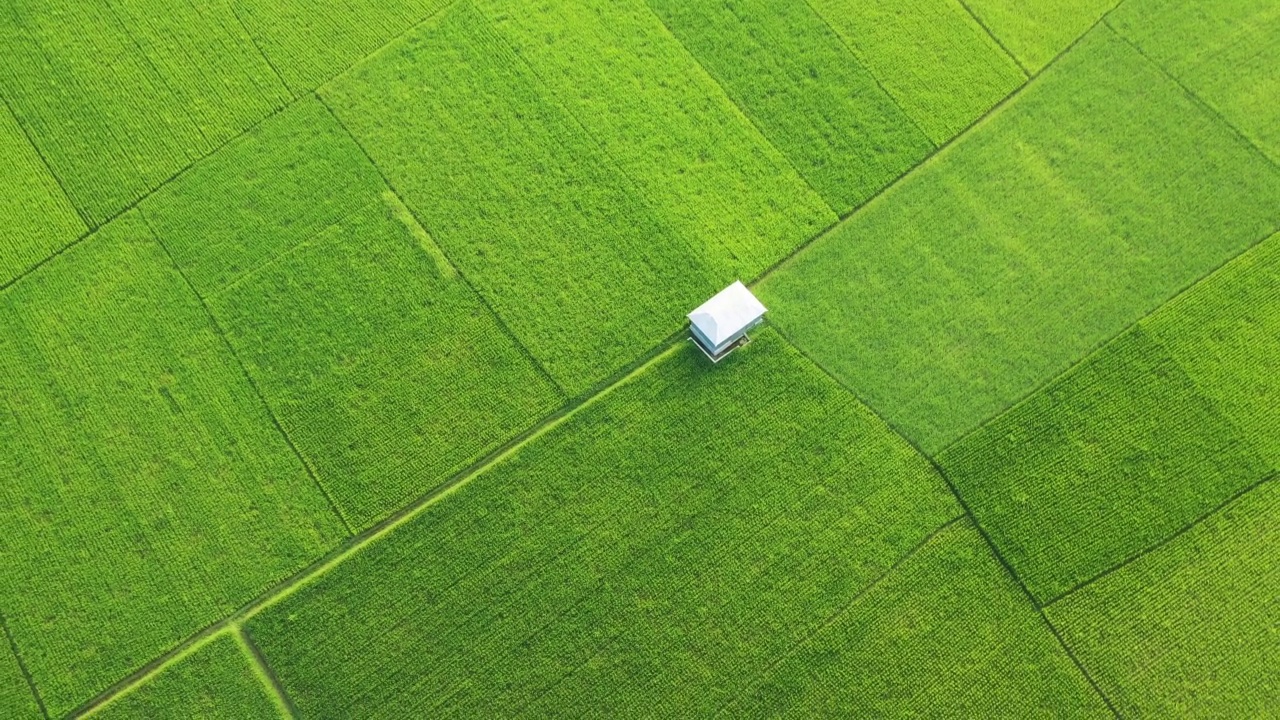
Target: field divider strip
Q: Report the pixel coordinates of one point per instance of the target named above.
(738, 108)
(265, 58)
(84, 219)
(354, 544)
(217, 328)
(1038, 387)
(1195, 97)
(149, 671)
(840, 611)
(874, 78)
(502, 324)
(968, 512)
(799, 249)
(1228, 502)
(995, 38)
(22, 666)
(263, 671)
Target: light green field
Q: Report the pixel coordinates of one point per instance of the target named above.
(216, 682)
(1107, 460)
(143, 89)
(948, 605)
(1090, 199)
(939, 65)
(289, 178)
(36, 218)
(691, 154)
(1225, 333)
(309, 43)
(1190, 629)
(147, 493)
(533, 212)
(384, 367)
(1224, 51)
(344, 371)
(799, 83)
(1036, 31)
(643, 557)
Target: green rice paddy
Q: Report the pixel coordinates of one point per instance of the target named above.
(344, 375)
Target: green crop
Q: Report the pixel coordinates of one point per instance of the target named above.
(36, 218)
(1224, 51)
(946, 634)
(16, 700)
(308, 43)
(647, 556)
(1225, 333)
(1189, 630)
(530, 210)
(689, 152)
(119, 95)
(1104, 462)
(147, 493)
(942, 68)
(802, 87)
(281, 183)
(1035, 31)
(382, 365)
(215, 682)
(1094, 196)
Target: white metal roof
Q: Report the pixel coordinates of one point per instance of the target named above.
(727, 313)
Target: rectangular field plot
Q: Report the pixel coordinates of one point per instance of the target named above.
(1035, 31)
(36, 218)
(148, 492)
(308, 43)
(1094, 196)
(941, 67)
(644, 557)
(946, 634)
(144, 88)
(1190, 629)
(526, 204)
(1106, 461)
(689, 151)
(383, 366)
(215, 682)
(284, 181)
(16, 700)
(1224, 51)
(799, 83)
(1225, 333)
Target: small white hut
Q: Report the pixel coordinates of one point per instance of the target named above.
(720, 324)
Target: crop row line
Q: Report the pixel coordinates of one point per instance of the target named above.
(736, 108)
(996, 38)
(840, 611)
(1038, 387)
(1195, 97)
(22, 666)
(968, 512)
(47, 166)
(1231, 500)
(875, 78)
(354, 544)
(537, 364)
(217, 328)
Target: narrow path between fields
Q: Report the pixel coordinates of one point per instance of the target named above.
(357, 542)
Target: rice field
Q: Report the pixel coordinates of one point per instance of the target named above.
(344, 370)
